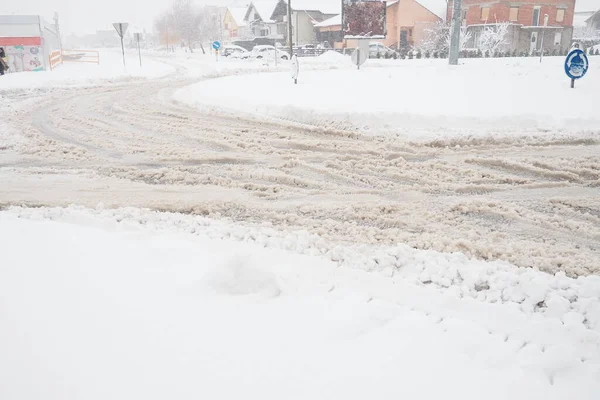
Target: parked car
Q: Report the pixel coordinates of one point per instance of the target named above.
(376, 49)
(234, 51)
(265, 51)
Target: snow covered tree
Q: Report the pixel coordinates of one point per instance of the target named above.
(493, 37)
(190, 23)
(436, 38)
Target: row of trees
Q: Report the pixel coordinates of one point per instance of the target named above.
(192, 24)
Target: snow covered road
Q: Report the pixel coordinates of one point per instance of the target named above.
(532, 201)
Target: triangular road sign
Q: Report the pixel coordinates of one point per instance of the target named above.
(121, 28)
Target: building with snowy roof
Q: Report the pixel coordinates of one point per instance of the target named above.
(28, 41)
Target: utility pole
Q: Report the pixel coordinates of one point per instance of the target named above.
(455, 39)
(290, 28)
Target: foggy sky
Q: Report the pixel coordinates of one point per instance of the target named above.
(86, 16)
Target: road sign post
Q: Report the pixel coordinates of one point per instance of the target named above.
(121, 28)
(576, 65)
(137, 38)
(361, 54)
(295, 68)
(216, 45)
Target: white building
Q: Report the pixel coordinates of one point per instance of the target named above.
(28, 41)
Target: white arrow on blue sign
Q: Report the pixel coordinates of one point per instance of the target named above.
(576, 64)
(216, 45)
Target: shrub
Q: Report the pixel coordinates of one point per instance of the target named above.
(436, 54)
(419, 54)
(427, 54)
(410, 55)
(597, 53)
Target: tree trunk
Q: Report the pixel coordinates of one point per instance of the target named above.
(202, 47)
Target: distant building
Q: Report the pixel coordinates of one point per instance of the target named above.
(308, 13)
(406, 22)
(586, 23)
(260, 20)
(526, 18)
(234, 26)
(28, 41)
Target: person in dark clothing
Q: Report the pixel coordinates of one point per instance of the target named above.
(3, 64)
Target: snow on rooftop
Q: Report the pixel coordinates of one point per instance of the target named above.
(265, 9)
(325, 6)
(238, 14)
(438, 7)
(333, 21)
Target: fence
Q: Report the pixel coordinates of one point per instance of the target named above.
(81, 56)
(55, 59)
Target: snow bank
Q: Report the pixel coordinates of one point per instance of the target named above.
(569, 301)
(84, 74)
(417, 99)
(122, 311)
(334, 57)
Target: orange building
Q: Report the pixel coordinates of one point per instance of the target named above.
(406, 23)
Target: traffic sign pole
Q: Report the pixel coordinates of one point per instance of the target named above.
(576, 65)
(121, 28)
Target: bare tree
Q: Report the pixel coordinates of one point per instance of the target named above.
(493, 37)
(187, 22)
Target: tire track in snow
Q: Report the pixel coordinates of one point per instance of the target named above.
(514, 200)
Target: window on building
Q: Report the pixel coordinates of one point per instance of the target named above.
(485, 13)
(410, 32)
(560, 15)
(557, 38)
(464, 15)
(514, 14)
(536, 17)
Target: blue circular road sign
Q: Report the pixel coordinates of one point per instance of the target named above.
(576, 64)
(216, 45)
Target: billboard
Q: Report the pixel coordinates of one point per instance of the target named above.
(364, 19)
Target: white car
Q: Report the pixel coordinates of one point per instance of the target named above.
(268, 52)
(378, 48)
(234, 51)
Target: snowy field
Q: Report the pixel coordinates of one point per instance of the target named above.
(417, 99)
(131, 304)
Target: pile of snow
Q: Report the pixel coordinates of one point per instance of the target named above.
(334, 57)
(417, 99)
(109, 70)
(121, 312)
(570, 301)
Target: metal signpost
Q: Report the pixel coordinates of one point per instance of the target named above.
(216, 45)
(361, 54)
(121, 28)
(295, 68)
(138, 37)
(576, 65)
